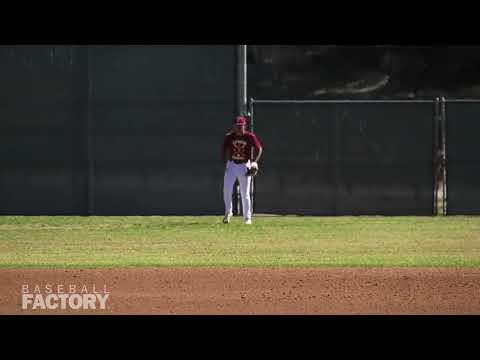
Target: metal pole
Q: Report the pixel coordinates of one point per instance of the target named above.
(337, 123)
(242, 79)
(461, 100)
(436, 147)
(444, 153)
(343, 101)
(90, 140)
(241, 107)
(252, 184)
(252, 101)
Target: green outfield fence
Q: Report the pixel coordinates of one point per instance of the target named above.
(137, 130)
(114, 130)
(345, 157)
(370, 157)
(461, 141)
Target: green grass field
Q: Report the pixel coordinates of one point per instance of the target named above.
(86, 242)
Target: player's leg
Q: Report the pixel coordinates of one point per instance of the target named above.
(245, 182)
(228, 181)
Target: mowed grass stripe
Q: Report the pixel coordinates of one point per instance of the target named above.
(89, 242)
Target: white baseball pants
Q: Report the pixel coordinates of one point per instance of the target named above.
(232, 172)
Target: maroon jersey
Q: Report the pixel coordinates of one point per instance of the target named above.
(240, 147)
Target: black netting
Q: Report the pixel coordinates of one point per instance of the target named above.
(160, 114)
(463, 167)
(41, 131)
(148, 120)
(345, 158)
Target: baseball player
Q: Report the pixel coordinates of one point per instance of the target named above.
(241, 151)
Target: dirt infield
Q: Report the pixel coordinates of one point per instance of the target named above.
(255, 291)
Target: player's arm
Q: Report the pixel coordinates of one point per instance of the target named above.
(258, 148)
(225, 155)
(259, 154)
(225, 150)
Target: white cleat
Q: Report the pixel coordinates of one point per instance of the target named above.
(248, 222)
(226, 219)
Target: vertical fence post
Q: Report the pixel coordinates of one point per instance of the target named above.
(444, 153)
(241, 79)
(251, 110)
(336, 149)
(241, 108)
(435, 162)
(252, 185)
(90, 135)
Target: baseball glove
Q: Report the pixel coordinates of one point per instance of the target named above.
(253, 171)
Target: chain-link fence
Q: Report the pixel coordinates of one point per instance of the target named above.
(345, 157)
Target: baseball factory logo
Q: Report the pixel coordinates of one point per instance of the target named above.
(60, 296)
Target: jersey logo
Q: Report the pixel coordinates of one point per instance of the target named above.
(239, 150)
